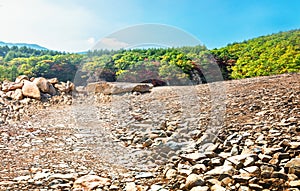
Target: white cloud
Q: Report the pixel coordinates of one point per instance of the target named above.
(57, 26)
(91, 40)
(110, 43)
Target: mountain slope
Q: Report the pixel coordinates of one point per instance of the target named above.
(34, 46)
(266, 55)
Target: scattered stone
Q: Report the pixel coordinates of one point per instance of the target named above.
(260, 152)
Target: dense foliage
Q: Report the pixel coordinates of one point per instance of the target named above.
(266, 55)
(173, 65)
(15, 61)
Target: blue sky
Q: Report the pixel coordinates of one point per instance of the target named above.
(76, 25)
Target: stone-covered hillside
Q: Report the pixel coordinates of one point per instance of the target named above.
(233, 135)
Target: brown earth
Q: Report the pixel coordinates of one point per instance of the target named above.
(170, 139)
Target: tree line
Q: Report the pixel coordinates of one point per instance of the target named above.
(266, 55)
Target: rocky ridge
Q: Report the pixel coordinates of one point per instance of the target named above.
(173, 138)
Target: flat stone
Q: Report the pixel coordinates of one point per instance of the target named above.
(294, 183)
(225, 169)
(144, 175)
(193, 156)
(294, 145)
(254, 170)
(240, 159)
(112, 88)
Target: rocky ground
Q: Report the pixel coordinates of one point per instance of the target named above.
(234, 135)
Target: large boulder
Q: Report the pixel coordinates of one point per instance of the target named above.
(92, 87)
(21, 78)
(111, 88)
(42, 84)
(31, 90)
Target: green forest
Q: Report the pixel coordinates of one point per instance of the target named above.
(266, 55)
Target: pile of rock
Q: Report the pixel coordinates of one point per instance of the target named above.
(26, 95)
(36, 88)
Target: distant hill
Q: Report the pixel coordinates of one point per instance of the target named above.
(34, 46)
(262, 56)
